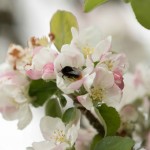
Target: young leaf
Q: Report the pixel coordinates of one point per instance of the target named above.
(111, 118)
(53, 108)
(141, 9)
(115, 143)
(41, 91)
(62, 100)
(69, 115)
(91, 4)
(60, 26)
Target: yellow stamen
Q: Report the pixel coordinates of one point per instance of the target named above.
(58, 136)
(109, 64)
(87, 51)
(97, 94)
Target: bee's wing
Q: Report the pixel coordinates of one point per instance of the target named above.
(74, 72)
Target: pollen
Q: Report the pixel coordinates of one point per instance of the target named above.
(87, 50)
(58, 136)
(109, 64)
(97, 94)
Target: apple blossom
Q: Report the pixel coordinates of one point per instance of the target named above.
(73, 59)
(114, 62)
(101, 88)
(57, 135)
(90, 43)
(42, 63)
(117, 63)
(142, 73)
(14, 102)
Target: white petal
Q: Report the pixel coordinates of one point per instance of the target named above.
(101, 48)
(29, 148)
(73, 57)
(8, 107)
(49, 124)
(90, 36)
(62, 146)
(74, 33)
(63, 86)
(76, 85)
(9, 112)
(113, 96)
(89, 67)
(72, 134)
(85, 101)
(19, 96)
(41, 58)
(45, 145)
(104, 78)
(24, 116)
(4, 67)
(89, 81)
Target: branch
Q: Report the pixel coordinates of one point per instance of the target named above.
(93, 121)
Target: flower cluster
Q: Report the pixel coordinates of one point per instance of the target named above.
(86, 71)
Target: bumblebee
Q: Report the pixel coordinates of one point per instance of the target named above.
(71, 73)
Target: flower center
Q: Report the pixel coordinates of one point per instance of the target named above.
(58, 136)
(109, 64)
(97, 94)
(87, 51)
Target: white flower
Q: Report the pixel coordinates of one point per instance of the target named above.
(90, 43)
(72, 77)
(57, 135)
(133, 89)
(13, 96)
(117, 63)
(114, 62)
(142, 74)
(42, 64)
(101, 88)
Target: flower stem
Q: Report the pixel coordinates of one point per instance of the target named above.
(93, 120)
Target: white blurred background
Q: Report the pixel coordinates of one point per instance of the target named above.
(21, 19)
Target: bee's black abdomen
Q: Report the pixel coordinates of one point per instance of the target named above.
(71, 72)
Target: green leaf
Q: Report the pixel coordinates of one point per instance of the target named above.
(53, 108)
(115, 143)
(41, 91)
(91, 4)
(95, 140)
(141, 9)
(60, 26)
(62, 100)
(69, 115)
(111, 118)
